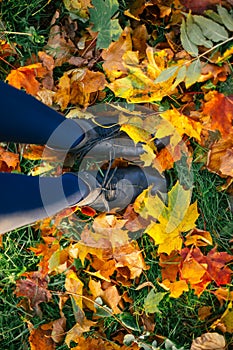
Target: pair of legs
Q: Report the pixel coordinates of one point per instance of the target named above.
(23, 119)
(26, 199)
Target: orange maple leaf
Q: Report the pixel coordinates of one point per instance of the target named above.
(25, 77)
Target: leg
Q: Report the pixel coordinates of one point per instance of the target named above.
(26, 199)
(26, 120)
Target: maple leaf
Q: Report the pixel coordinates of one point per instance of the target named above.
(220, 110)
(46, 250)
(77, 86)
(138, 86)
(225, 323)
(8, 161)
(40, 338)
(173, 219)
(34, 288)
(220, 156)
(25, 77)
(183, 124)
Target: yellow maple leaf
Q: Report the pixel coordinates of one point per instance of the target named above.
(173, 219)
(176, 288)
(183, 124)
(139, 86)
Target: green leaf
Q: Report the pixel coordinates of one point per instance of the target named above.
(180, 76)
(152, 301)
(188, 45)
(195, 34)
(214, 16)
(166, 74)
(129, 321)
(193, 73)
(108, 29)
(211, 29)
(226, 17)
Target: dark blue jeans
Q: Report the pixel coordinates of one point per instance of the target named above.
(25, 199)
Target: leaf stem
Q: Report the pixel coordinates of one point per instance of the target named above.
(17, 33)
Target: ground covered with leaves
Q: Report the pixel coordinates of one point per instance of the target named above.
(157, 275)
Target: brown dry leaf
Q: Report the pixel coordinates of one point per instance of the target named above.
(25, 77)
(74, 286)
(136, 8)
(204, 312)
(92, 343)
(59, 46)
(209, 341)
(40, 339)
(112, 297)
(34, 288)
(214, 71)
(130, 256)
(139, 39)
(7, 49)
(167, 157)
(219, 109)
(48, 63)
(220, 157)
(58, 329)
(77, 86)
(8, 161)
(113, 65)
(74, 333)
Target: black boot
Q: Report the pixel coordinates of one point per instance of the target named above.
(116, 188)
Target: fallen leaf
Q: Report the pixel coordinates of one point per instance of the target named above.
(220, 110)
(138, 85)
(9, 161)
(220, 157)
(77, 86)
(173, 219)
(74, 333)
(198, 237)
(74, 286)
(209, 341)
(152, 301)
(183, 124)
(26, 77)
(92, 343)
(199, 6)
(40, 339)
(176, 288)
(204, 312)
(113, 65)
(34, 288)
(59, 46)
(225, 323)
(78, 7)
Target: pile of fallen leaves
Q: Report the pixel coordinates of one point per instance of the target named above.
(177, 73)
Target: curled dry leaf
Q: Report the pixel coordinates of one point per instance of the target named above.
(209, 341)
(77, 86)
